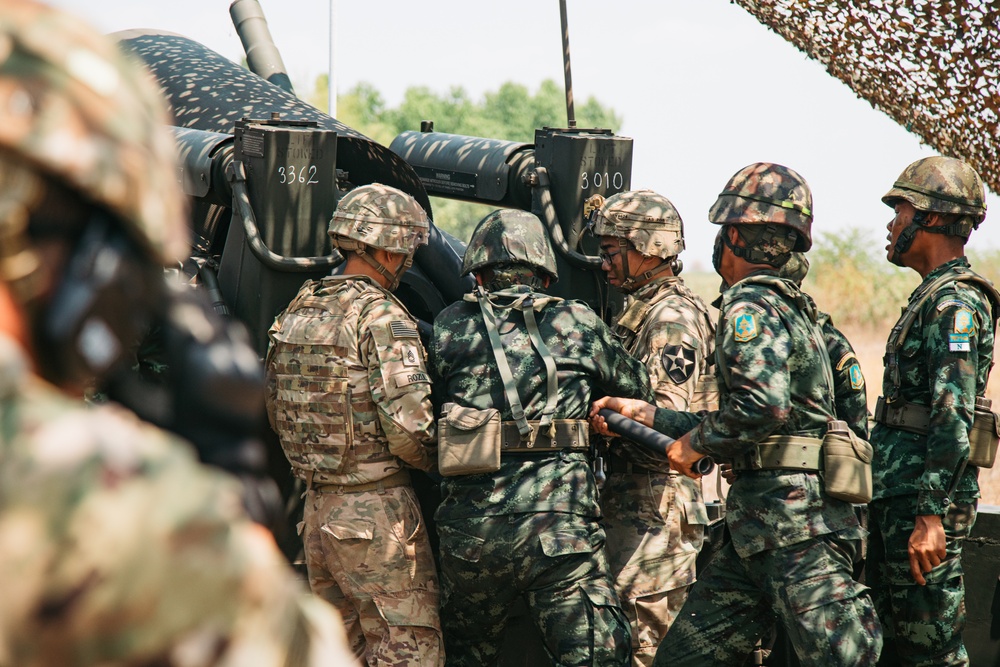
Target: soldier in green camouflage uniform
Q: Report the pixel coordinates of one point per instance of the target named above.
(654, 517)
(924, 504)
(117, 548)
(349, 396)
(793, 546)
(849, 396)
(531, 529)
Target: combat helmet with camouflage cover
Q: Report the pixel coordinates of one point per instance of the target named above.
(766, 193)
(508, 236)
(645, 221)
(380, 216)
(76, 113)
(644, 218)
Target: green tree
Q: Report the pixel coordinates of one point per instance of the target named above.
(510, 113)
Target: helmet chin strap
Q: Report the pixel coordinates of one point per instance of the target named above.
(630, 282)
(961, 228)
(391, 277)
(751, 254)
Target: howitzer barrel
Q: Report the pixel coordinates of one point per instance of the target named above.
(652, 440)
(263, 56)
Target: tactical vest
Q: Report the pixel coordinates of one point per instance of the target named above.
(325, 416)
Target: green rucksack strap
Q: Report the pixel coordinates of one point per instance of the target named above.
(509, 386)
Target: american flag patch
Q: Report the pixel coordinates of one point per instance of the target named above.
(403, 329)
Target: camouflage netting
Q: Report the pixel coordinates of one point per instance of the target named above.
(932, 65)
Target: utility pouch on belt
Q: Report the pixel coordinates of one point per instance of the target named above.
(468, 440)
(983, 437)
(847, 464)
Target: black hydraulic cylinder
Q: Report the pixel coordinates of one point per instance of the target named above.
(652, 440)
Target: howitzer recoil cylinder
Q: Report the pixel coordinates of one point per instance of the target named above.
(652, 440)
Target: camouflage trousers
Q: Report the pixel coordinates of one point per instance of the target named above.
(368, 555)
(556, 562)
(655, 524)
(808, 587)
(923, 624)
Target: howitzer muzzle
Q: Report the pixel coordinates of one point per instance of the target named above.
(652, 440)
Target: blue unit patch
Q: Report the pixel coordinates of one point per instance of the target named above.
(857, 378)
(744, 327)
(964, 324)
(958, 342)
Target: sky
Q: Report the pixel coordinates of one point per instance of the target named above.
(702, 87)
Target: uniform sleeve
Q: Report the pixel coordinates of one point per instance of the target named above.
(400, 385)
(673, 355)
(619, 373)
(754, 352)
(850, 398)
(951, 331)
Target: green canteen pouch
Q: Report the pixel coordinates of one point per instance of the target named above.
(847, 464)
(468, 441)
(984, 436)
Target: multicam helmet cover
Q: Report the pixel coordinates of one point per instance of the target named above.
(644, 218)
(763, 193)
(942, 185)
(380, 216)
(508, 236)
(75, 108)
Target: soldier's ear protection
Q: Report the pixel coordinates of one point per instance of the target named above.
(102, 303)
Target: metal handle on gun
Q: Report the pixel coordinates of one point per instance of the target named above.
(652, 440)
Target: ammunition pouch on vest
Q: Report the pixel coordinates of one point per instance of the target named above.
(983, 438)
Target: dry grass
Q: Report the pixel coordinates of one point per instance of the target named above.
(851, 280)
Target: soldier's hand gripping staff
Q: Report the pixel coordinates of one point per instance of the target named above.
(349, 396)
(655, 518)
(931, 416)
(519, 516)
(116, 546)
(793, 544)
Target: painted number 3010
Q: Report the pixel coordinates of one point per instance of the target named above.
(290, 175)
(599, 179)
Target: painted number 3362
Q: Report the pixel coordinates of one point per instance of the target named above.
(290, 175)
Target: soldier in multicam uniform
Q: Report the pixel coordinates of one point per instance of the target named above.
(924, 504)
(654, 517)
(530, 529)
(349, 396)
(793, 546)
(116, 546)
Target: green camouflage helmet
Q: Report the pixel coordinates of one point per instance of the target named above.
(74, 108)
(763, 193)
(942, 185)
(644, 218)
(508, 236)
(380, 216)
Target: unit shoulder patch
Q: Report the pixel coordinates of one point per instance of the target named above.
(965, 323)
(745, 327)
(678, 362)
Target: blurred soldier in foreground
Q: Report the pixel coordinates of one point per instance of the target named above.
(116, 547)
(654, 517)
(938, 360)
(793, 544)
(519, 516)
(349, 396)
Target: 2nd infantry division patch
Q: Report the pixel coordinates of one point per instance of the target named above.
(678, 362)
(744, 327)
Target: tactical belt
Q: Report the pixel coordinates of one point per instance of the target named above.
(399, 478)
(913, 417)
(783, 452)
(571, 434)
